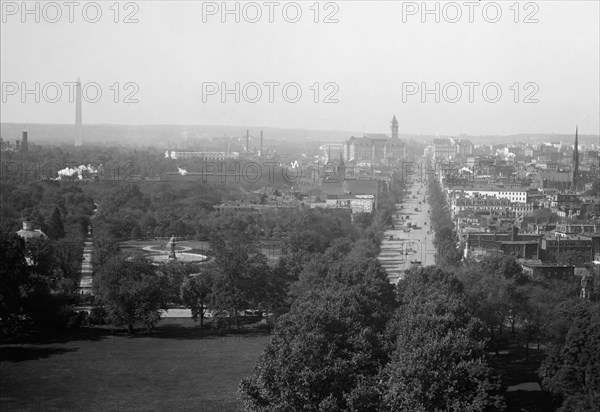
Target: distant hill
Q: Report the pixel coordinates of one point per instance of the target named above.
(533, 138)
(182, 135)
(162, 135)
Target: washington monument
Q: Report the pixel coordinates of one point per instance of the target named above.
(78, 124)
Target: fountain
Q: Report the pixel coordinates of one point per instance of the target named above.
(173, 253)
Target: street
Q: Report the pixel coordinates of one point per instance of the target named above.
(402, 247)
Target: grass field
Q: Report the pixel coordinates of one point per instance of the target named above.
(197, 246)
(177, 367)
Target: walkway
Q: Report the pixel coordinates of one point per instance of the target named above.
(85, 284)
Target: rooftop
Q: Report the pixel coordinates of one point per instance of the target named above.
(28, 232)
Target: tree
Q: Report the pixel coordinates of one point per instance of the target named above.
(56, 229)
(572, 369)
(68, 256)
(105, 246)
(136, 232)
(327, 351)
(41, 257)
(324, 355)
(366, 275)
(173, 274)
(494, 287)
(448, 255)
(240, 273)
(437, 370)
(14, 276)
(196, 293)
(28, 301)
(130, 290)
(438, 361)
(363, 220)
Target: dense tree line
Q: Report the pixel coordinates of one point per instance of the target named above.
(438, 361)
(571, 371)
(58, 209)
(445, 238)
(38, 279)
(130, 290)
(62, 211)
(349, 343)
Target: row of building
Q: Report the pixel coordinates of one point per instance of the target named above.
(20, 145)
(499, 210)
(350, 176)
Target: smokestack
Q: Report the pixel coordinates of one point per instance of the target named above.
(247, 140)
(261, 142)
(515, 230)
(24, 143)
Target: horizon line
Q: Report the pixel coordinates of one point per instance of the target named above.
(295, 128)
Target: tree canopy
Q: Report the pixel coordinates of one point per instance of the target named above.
(131, 291)
(572, 369)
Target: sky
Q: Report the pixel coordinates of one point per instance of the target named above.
(483, 68)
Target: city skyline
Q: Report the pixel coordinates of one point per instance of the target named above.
(300, 205)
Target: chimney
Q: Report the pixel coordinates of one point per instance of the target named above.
(247, 140)
(515, 230)
(261, 142)
(24, 143)
(27, 225)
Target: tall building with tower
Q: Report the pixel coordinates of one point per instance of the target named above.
(394, 128)
(575, 176)
(78, 119)
(376, 147)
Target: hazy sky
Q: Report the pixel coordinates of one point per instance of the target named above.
(376, 59)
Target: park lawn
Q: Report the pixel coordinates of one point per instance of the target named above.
(177, 367)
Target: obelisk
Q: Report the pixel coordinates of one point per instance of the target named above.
(78, 123)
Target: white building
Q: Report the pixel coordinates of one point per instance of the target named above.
(514, 195)
(202, 155)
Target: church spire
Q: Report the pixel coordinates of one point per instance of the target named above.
(575, 176)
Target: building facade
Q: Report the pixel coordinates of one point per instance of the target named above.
(375, 147)
(443, 149)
